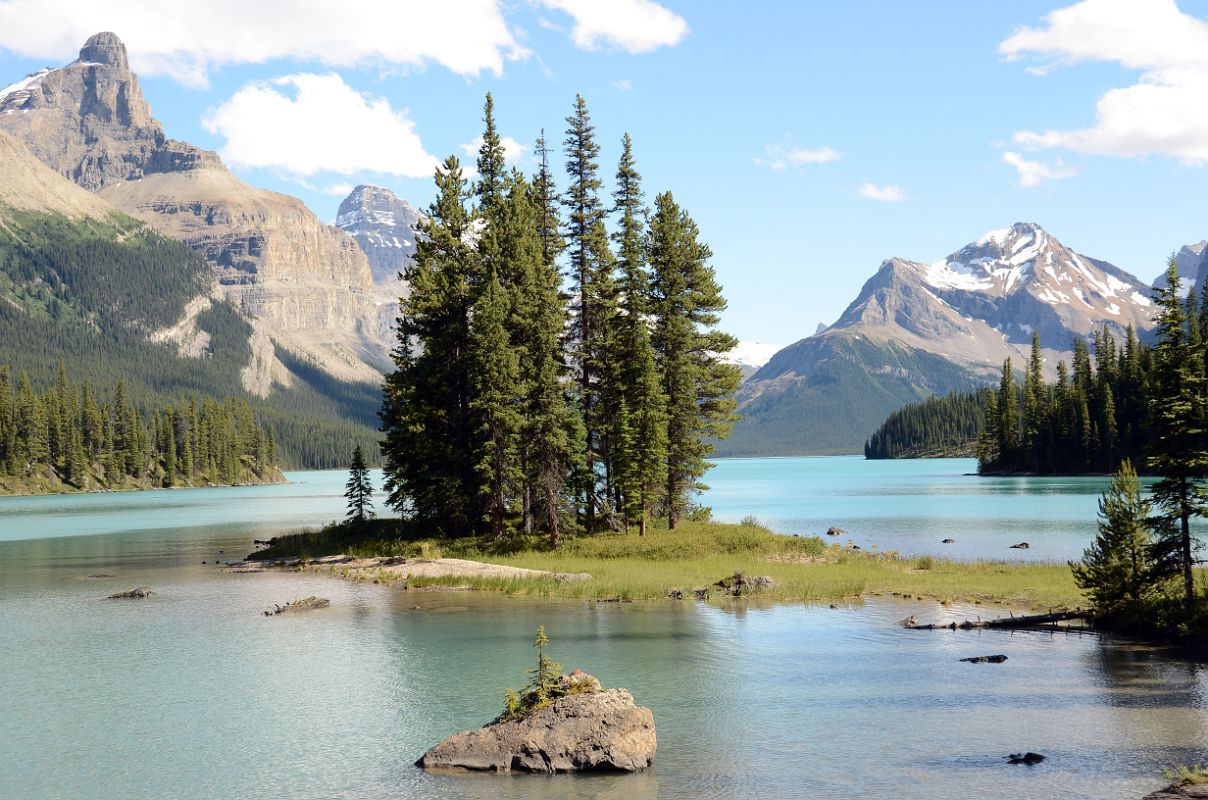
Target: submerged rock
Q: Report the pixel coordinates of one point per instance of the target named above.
(138, 591)
(592, 730)
(1021, 546)
(835, 531)
(305, 604)
(948, 541)
(986, 660)
(1028, 758)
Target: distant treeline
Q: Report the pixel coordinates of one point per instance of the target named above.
(940, 426)
(72, 436)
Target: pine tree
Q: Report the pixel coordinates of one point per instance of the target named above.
(1115, 572)
(1008, 414)
(1033, 410)
(1179, 455)
(359, 489)
(699, 387)
(428, 447)
(495, 395)
(587, 247)
(489, 187)
(641, 458)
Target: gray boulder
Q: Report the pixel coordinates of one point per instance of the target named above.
(589, 731)
(1177, 792)
(138, 591)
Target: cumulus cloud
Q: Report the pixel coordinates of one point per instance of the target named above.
(883, 194)
(1163, 112)
(513, 150)
(184, 40)
(305, 124)
(781, 158)
(638, 26)
(1033, 173)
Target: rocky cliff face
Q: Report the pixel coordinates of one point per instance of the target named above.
(384, 226)
(306, 286)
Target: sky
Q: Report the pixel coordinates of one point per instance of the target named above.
(809, 140)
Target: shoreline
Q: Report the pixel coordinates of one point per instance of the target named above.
(129, 489)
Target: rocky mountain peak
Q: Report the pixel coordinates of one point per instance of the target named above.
(384, 225)
(90, 122)
(105, 48)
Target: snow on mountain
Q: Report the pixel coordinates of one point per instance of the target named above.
(385, 227)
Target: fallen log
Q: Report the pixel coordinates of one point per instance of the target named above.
(1030, 621)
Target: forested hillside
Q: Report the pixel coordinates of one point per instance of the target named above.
(90, 293)
(940, 426)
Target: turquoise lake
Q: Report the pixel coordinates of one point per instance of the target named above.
(195, 694)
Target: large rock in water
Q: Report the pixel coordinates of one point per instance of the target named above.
(1180, 792)
(589, 731)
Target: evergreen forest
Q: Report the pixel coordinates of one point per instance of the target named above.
(72, 437)
(558, 367)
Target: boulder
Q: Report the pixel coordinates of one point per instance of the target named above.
(305, 604)
(1020, 546)
(587, 731)
(835, 531)
(739, 584)
(986, 660)
(948, 541)
(138, 591)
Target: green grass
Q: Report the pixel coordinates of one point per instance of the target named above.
(695, 556)
(1183, 775)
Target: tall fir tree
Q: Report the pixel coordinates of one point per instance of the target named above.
(588, 247)
(426, 418)
(1179, 453)
(699, 387)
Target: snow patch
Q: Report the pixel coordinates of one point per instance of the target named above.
(752, 354)
(24, 84)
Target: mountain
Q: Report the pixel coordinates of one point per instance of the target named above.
(1190, 260)
(306, 287)
(918, 329)
(384, 226)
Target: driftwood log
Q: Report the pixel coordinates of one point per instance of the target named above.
(1030, 621)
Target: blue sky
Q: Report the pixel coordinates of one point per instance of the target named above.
(809, 140)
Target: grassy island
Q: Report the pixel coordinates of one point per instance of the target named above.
(696, 555)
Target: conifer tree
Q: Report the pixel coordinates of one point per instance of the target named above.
(1008, 413)
(359, 489)
(489, 186)
(699, 387)
(1179, 455)
(495, 395)
(428, 447)
(587, 246)
(1114, 571)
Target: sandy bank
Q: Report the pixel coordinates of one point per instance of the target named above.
(396, 569)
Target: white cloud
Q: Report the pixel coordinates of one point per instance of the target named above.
(623, 85)
(1033, 173)
(884, 194)
(184, 40)
(781, 158)
(305, 124)
(1164, 112)
(337, 189)
(513, 150)
(638, 26)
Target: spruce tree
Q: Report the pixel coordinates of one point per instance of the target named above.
(699, 387)
(1178, 454)
(641, 458)
(1008, 416)
(587, 246)
(359, 489)
(1115, 570)
(428, 446)
(495, 396)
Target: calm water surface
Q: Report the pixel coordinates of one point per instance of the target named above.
(194, 694)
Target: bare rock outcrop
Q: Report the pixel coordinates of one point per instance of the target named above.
(589, 731)
(308, 285)
(136, 592)
(1177, 792)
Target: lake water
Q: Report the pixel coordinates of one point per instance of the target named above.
(195, 694)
